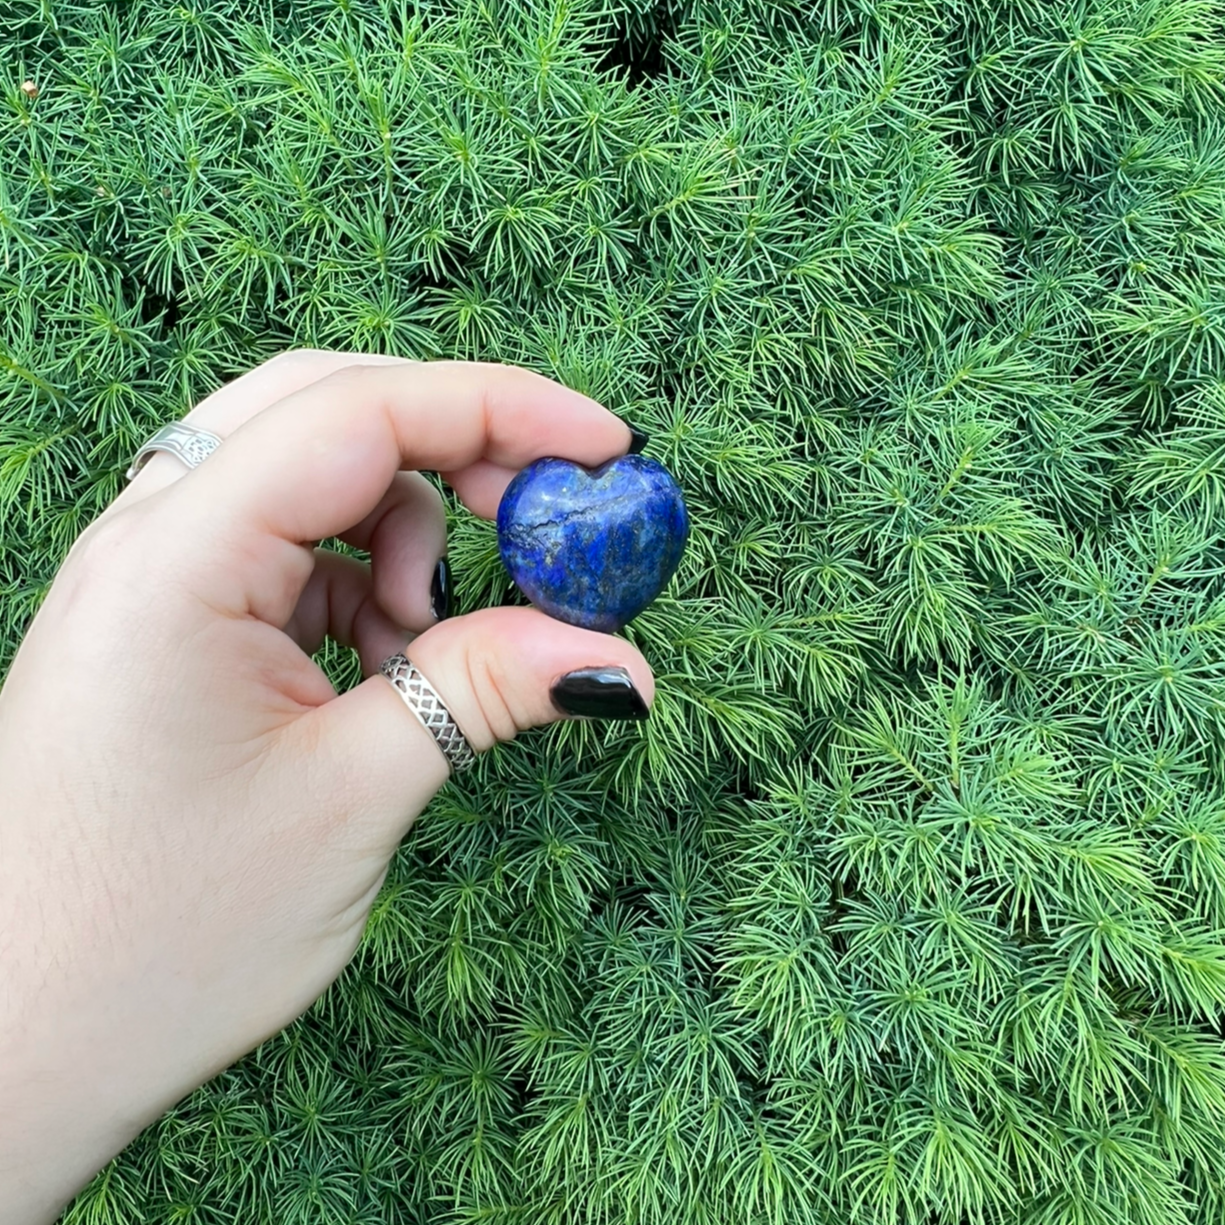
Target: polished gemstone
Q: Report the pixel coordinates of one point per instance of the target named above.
(592, 546)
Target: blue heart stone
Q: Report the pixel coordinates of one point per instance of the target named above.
(592, 546)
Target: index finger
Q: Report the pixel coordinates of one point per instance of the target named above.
(318, 461)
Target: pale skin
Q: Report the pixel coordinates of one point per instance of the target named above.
(193, 824)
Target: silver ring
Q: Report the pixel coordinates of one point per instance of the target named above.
(422, 699)
(185, 442)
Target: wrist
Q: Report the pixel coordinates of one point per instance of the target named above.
(70, 1104)
(55, 1132)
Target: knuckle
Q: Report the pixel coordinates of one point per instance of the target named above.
(106, 555)
(105, 541)
(349, 377)
(494, 693)
(292, 359)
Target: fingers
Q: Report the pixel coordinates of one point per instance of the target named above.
(321, 460)
(480, 486)
(228, 407)
(340, 601)
(496, 669)
(406, 535)
(499, 671)
(318, 461)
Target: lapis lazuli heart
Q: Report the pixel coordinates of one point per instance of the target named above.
(592, 546)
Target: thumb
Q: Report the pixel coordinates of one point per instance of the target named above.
(498, 671)
(503, 670)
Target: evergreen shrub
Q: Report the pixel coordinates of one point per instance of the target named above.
(907, 904)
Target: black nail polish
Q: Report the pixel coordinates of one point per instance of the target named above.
(440, 591)
(638, 440)
(598, 693)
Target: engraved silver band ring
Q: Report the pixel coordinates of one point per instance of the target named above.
(422, 699)
(185, 442)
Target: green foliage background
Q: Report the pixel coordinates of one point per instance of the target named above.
(907, 903)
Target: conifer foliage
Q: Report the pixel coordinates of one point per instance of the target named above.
(907, 905)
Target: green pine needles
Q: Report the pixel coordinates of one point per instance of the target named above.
(907, 906)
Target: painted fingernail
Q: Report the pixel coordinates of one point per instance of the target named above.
(638, 440)
(440, 591)
(598, 693)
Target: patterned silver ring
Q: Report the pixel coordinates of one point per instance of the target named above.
(422, 699)
(185, 442)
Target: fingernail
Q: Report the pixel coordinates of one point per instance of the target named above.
(598, 693)
(638, 440)
(440, 591)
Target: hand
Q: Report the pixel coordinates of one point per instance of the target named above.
(193, 825)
